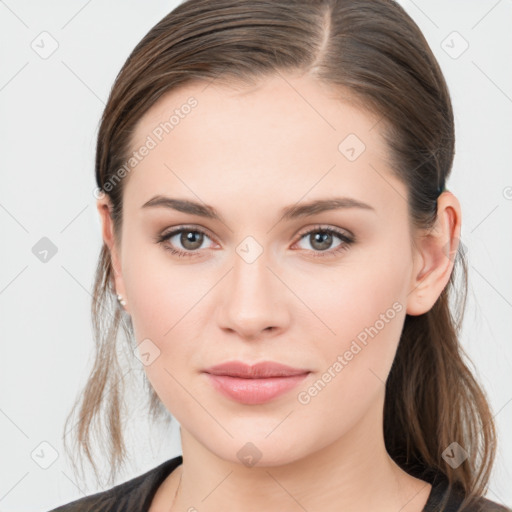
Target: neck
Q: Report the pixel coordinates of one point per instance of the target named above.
(352, 474)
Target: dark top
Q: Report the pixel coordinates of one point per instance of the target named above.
(136, 495)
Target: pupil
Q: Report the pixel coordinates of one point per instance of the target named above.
(191, 237)
(324, 239)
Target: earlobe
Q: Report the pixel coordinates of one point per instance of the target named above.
(435, 253)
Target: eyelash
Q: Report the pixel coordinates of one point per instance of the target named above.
(346, 241)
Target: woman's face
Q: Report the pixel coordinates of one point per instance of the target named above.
(321, 289)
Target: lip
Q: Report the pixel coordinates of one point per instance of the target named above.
(260, 370)
(254, 384)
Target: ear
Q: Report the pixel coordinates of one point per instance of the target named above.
(104, 207)
(434, 255)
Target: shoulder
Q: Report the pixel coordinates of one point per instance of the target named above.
(486, 505)
(133, 495)
(446, 498)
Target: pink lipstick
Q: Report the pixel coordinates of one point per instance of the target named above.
(254, 384)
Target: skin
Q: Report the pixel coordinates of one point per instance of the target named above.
(277, 144)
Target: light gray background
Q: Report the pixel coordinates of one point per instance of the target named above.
(50, 110)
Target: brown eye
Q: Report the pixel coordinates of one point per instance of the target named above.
(184, 241)
(191, 240)
(321, 240)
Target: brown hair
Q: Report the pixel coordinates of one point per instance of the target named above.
(374, 51)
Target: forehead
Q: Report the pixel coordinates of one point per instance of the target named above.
(300, 106)
(284, 135)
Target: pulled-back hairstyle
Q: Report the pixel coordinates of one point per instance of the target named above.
(373, 52)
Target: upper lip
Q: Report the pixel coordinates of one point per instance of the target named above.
(257, 371)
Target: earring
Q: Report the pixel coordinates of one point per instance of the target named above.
(121, 300)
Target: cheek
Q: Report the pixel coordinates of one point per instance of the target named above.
(160, 291)
(365, 310)
(170, 304)
(165, 309)
(344, 301)
(362, 310)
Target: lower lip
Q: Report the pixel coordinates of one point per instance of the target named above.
(254, 391)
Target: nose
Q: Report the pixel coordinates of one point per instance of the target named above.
(254, 302)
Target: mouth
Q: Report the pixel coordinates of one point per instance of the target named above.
(256, 384)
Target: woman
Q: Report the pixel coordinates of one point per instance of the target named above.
(278, 234)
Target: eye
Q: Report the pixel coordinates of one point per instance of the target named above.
(187, 240)
(321, 240)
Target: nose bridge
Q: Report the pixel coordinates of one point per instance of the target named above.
(254, 299)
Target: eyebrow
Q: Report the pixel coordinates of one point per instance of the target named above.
(287, 213)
